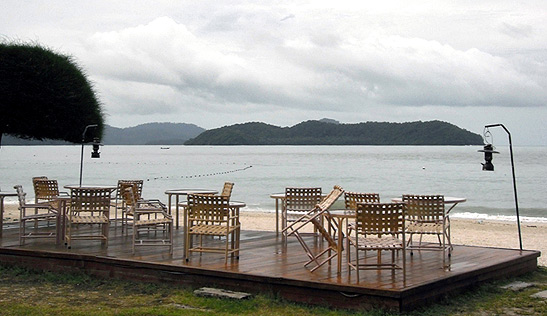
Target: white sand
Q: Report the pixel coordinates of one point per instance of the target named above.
(464, 231)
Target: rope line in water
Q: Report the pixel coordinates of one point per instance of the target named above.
(203, 175)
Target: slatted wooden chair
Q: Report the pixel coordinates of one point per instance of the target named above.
(380, 227)
(426, 216)
(46, 190)
(298, 201)
(211, 215)
(318, 216)
(121, 203)
(88, 207)
(41, 213)
(152, 225)
(227, 189)
(352, 198)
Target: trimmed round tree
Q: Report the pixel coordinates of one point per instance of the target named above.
(44, 94)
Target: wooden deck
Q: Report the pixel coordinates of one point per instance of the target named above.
(265, 266)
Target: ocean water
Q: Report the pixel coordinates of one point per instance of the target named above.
(259, 171)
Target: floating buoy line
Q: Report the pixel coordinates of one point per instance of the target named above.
(202, 175)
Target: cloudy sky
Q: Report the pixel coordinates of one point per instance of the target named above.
(216, 63)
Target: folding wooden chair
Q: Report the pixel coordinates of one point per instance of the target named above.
(121, 204)
(315, 217)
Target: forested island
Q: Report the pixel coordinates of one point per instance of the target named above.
(330, 132)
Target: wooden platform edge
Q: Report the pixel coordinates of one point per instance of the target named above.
(309, 292)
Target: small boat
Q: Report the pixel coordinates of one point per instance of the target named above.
(164, 147)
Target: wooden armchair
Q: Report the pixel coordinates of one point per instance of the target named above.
(152, 225)
(315, 216)
(380, 227)
(211, 215)
(41, 213)
(426, 216)
(45, 191)
(88, 207)
(352, 198)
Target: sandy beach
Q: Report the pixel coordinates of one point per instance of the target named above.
(464, 231)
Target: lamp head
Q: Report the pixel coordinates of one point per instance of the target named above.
(488, 151)
(95, 153)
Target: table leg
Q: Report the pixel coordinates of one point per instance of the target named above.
(60, 222)
(276, 217)
(177, 210)
(339, 245)
(1, 215)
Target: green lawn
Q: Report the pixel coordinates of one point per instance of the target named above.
(26, 292)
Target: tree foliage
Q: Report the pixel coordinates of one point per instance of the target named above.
(44, 94)
(323, 133)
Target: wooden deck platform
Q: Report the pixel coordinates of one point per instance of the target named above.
(266, 266)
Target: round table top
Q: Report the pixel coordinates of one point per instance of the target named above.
(90, 186)
(231, 203)
(190, 191)
(7, 193)
(342, 213)
(447, 200)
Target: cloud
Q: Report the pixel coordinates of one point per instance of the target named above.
(301, 71)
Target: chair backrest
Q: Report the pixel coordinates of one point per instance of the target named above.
(302, 199)
(327, 202)
(45, 190)
(89, 200)
(380, 218)
(227, 189)
(425, 208)
(20, 194)
(122, 184)
(352, 198)
(129, 194)
(207, 207)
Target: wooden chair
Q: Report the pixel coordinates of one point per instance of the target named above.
(426, 216)
(315, 216)
(152, 225)
(121, 203)
(211, 215)
(88, 207)
(227, 190)
(41, 213)
(298, 201)
(380, 227)
(46, 190)
(352, 198)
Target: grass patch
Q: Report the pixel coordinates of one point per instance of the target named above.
(28, 292)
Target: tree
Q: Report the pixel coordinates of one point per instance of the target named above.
(44, 94)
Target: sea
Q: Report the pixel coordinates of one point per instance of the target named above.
(259, 171)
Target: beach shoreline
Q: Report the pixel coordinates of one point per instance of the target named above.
(470, 232)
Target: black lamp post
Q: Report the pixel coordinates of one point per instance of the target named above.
(488, 166)
(94, 154)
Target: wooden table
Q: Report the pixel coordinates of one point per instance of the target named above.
(3, 194)
(177, 193)
(234, 206)
(90, 186)
(340, 216)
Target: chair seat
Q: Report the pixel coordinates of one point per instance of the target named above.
(372, 243)
(100, 219)
(213, 230)
(425, 227)
(153, 221)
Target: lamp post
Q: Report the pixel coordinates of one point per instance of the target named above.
(94, 154)
(488, 166)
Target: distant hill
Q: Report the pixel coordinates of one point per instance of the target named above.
(145, 134)
(327, 132)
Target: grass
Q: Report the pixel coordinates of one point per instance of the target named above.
(28, 292)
